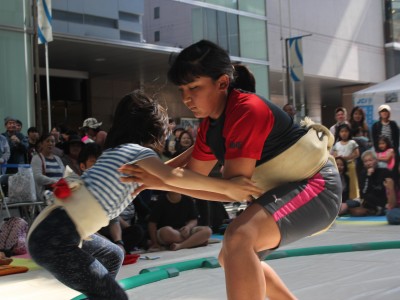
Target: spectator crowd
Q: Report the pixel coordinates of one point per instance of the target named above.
(367, 159)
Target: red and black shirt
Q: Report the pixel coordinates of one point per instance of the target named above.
(250, 127)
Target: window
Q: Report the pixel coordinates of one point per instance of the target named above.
(156, 36)
(156, 12)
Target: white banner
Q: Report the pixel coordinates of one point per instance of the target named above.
(45, 31)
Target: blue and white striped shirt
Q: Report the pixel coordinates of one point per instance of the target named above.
(53, 168)
(103, 179)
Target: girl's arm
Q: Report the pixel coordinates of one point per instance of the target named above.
(387, 157)
(156, 175)
(355, 154)
(151, 182)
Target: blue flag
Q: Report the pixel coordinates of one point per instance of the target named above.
(45, 31)
(296, 59)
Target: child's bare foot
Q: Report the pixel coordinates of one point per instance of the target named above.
(175, 246)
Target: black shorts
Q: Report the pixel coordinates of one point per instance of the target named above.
(304, 208)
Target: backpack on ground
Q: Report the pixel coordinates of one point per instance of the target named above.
(13, 235)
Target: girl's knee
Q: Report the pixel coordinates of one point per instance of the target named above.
(236, 238)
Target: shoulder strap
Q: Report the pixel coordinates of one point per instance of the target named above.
(43, 164)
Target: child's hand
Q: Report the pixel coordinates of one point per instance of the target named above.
(388, 183)
(242, 189)
(370, 171)
(185, 232)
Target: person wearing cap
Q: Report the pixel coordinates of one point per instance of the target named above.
(93, 132)
(385, 127)
(18, 144)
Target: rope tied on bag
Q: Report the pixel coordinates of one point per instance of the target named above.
(321, 130)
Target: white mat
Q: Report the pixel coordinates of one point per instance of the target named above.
(352, 275)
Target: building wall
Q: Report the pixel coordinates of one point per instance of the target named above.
(239, 27)
(346, 39)
(346, 44)
(173, 23)
(118, 20)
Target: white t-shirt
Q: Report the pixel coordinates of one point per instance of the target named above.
(345, 150)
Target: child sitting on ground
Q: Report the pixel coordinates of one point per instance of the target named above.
(173, 223)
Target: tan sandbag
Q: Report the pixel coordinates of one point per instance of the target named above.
(301, 161)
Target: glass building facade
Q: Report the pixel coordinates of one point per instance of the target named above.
(392, 37)
(239, 26)
(16, 79)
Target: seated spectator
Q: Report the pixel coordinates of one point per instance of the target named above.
(47, 167)
(144, 203)
(123, 231)
(33, 138)
(184, 142)
(71, 153)
(373, 191)
(173, 223)
(18, 144)
(342, 167)
(88, 156)
(18, 126)
(393, 205)
(386, 155)
(93, 132)
(58, 149)
(290, 110)
(171, 143)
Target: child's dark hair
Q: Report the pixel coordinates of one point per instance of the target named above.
(344, 162)
(88, 150)
(140, 120)
(203, 58)
(44, 137)
(386, 140)
(344, 126)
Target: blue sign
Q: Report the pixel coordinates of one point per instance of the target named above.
(369, 114)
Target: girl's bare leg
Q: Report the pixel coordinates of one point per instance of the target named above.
(275, 287)
(246, 278)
